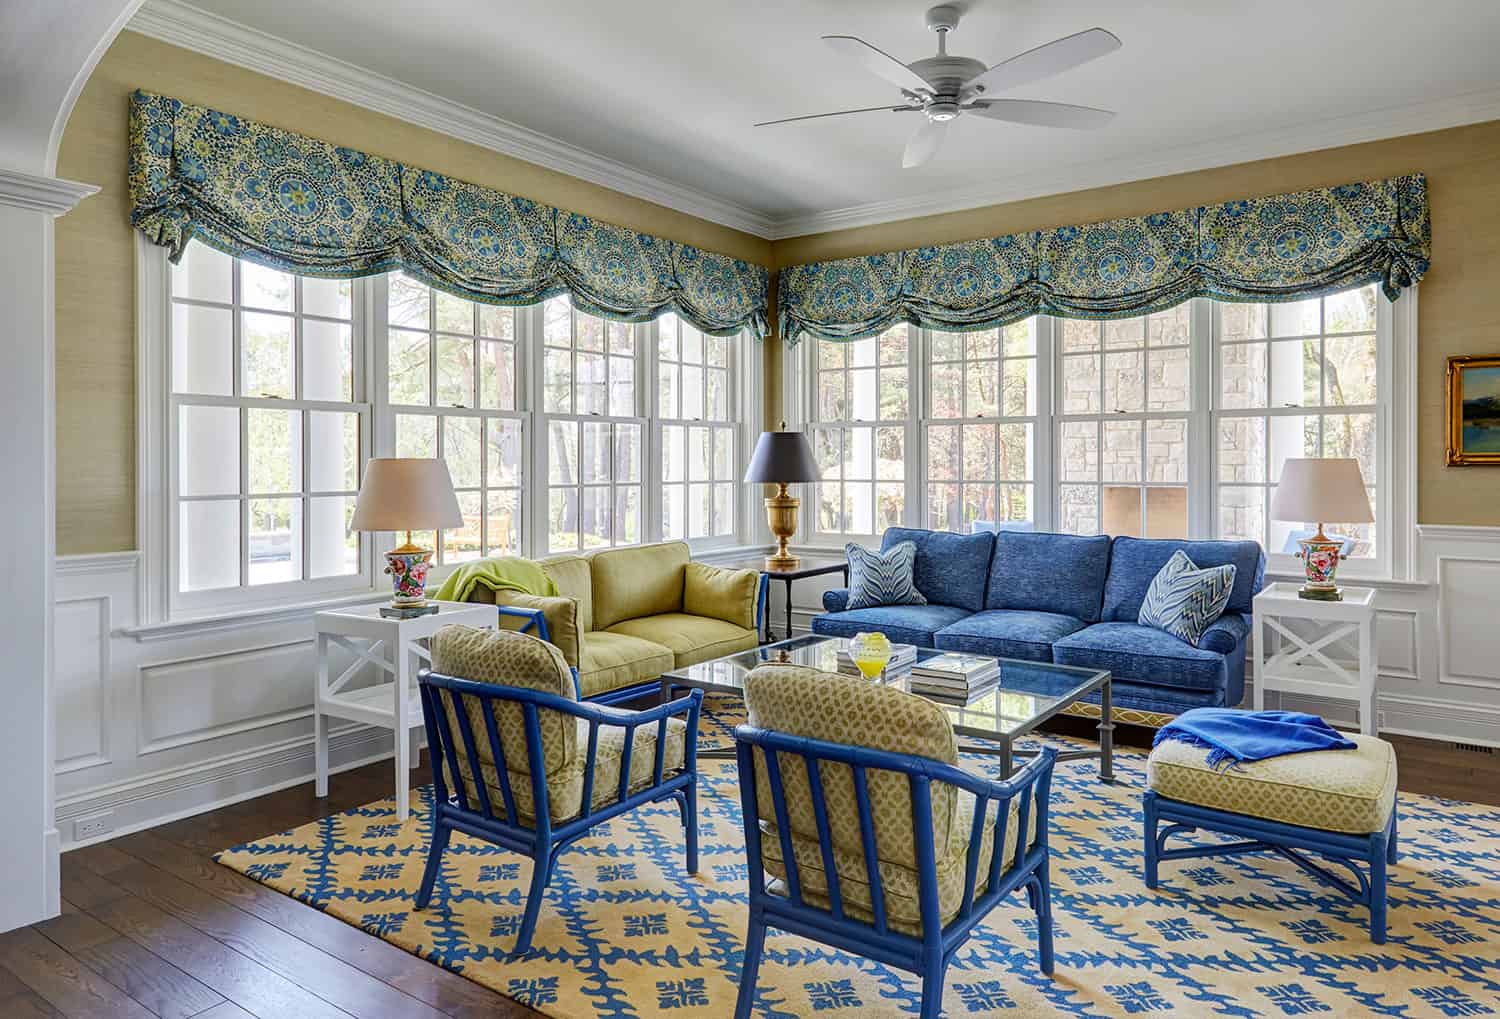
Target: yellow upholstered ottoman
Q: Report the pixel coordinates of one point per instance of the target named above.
(1336, 803)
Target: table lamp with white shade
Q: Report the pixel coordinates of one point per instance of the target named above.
(407, 494)
(1322, 491)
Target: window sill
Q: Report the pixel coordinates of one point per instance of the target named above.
(240, 619)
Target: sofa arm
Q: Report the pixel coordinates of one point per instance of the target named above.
(836, 600)
(730, 595)
(1227, 633)
(561, 615)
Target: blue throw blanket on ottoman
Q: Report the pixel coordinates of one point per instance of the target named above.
(1234, 736)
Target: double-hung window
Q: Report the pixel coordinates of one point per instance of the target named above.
(266, 431)
(862, 433)
(595, 444)
(695, 411)
(451, 369)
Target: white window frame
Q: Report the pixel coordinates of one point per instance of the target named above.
(1396, 418)
(156, 525)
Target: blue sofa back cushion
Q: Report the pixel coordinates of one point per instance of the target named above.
(1135, 562)
(1042, 572)
(951, 568)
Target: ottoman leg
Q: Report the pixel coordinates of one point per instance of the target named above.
(1378, 850)
(1148, 808)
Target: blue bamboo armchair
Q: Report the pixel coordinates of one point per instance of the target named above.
(892, 856)
(530, 768)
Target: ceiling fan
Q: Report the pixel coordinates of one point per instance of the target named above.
(945, 87)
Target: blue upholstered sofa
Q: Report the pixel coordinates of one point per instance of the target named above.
(1070, 600)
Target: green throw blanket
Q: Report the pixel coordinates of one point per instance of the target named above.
(503, 573)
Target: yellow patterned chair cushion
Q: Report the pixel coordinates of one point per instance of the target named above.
(615, 660)
(1349, 791)
(692, 639)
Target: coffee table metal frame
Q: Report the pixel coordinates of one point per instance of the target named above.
(1001, 745)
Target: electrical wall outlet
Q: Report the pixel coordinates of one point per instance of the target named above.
(86, 828)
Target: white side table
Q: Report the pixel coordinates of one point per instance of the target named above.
(396, 647)
(1301, 664)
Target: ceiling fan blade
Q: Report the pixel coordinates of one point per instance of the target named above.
(1040, 114)
(836, 113)
(1046, 60)
(924, 143)
(879, 61)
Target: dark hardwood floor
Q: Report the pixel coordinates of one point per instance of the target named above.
(151, 926)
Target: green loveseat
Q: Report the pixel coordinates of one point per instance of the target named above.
(624, 616)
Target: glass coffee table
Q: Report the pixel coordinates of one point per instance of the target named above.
(1029, 693)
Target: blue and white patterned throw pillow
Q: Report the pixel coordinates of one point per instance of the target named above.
(882, 578)
(1184, 600)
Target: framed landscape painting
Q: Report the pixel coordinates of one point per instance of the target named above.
(1474, 410)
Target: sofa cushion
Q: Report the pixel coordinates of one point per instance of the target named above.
(903, 624)
(630, 583)
(884, 577)
(615, 660)
(1142, 654)
(1043, 572)
(692, 639)
(1008, 633)
(950, 568)
(1331, 790)
(713, 591)
(574, 579)
(1134, 563)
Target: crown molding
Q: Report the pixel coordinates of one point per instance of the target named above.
(1433, 115)
(51, 195)
(180, 24)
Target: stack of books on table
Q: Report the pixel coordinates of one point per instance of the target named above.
(955, 676)
(902, 658)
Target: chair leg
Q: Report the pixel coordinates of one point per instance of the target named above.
(755, 943)
(1043, 909)
(1390, 836)
(440, 834)
(933, 968)
(690, 824)
(1148, 808)
(541, 872)
(1378, 852)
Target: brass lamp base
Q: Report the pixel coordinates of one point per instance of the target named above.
(781, 518)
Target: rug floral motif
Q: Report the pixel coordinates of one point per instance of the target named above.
(625, 931)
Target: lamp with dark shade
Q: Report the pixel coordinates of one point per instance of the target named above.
(782, 458)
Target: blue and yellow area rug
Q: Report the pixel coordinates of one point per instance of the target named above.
(626, 932)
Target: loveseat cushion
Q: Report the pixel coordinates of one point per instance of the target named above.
(903, 624)
(1043, 572)
(1142, 654)
(950, 568)
(1135, 562)
(615, 660)
(1008, 633)
(645, 580)
(692, 639)
(717, 593)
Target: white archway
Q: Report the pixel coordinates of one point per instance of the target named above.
(48, 49)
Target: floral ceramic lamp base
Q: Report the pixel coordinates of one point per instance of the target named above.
(1320, 557)
(408, 568)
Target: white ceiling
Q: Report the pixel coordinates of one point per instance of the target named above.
(670, 88)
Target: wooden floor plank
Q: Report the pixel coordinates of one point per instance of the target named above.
(27, 1005)
(228, 1010)
(83, 887)
(148, 978)
(444, 990)
(74, 932)
(325, 975)
(255, 988)
(62, 981)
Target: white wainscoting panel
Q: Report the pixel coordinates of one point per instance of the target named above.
(149, 730)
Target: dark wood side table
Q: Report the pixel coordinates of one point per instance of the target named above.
(810, 567)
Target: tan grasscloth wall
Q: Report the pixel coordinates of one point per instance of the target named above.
(96, 254)
(1460, 310)
(1459, 301)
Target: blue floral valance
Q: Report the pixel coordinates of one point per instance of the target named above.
(1278, 248)
(296, 203)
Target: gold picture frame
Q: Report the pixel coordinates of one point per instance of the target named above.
(1473, 390)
